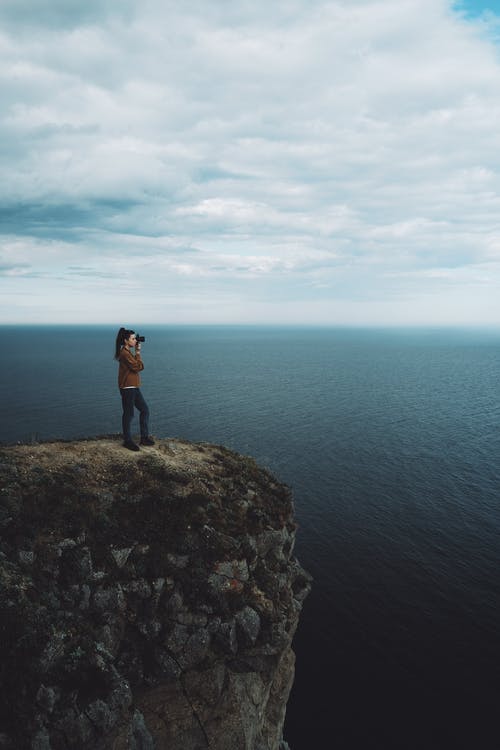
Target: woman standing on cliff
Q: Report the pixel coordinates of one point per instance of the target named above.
(128, 383)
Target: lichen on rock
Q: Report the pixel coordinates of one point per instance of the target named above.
(148, 600)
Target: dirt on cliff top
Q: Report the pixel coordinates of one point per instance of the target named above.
(103, 461)
(98, 453)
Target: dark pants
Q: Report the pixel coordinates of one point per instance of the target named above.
(133, 397)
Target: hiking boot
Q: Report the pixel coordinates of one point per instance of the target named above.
(131, 445)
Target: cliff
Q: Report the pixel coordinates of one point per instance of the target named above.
(147, 600)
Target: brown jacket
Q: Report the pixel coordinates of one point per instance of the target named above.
(129, 369)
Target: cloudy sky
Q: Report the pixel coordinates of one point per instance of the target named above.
(242, 161)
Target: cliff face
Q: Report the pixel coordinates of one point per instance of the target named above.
(148, 600)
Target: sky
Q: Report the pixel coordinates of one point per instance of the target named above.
(239, 161)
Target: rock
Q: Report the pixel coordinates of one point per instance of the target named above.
(140, 737)
(178, 561)
(26, 557)
(101, 715)
(109, 599)
(76, 563)
(225, 636)
(196, 648)
(248, 623)
(76, 728)
(234, 569)
(149, 601)
(5, 742)
(120, 556)
(177, 638)
(46, 698)
(138, 588)
(41, 741)
(158, 585)
(85, 596)
(168, 666)
(175, 605)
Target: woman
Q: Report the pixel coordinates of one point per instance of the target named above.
(128, 383)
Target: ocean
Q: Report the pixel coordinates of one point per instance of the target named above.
(390, 439)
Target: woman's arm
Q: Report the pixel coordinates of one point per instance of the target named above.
(133, 362)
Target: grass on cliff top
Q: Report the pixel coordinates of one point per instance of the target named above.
(62, 489)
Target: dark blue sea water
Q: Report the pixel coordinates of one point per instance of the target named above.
(391, 442)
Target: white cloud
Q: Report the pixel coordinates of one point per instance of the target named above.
(336, 157)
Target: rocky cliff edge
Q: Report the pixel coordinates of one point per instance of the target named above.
(147, 600)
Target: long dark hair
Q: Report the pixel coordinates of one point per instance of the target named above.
(122, 336)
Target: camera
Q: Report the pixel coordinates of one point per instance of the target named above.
(140, 339)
